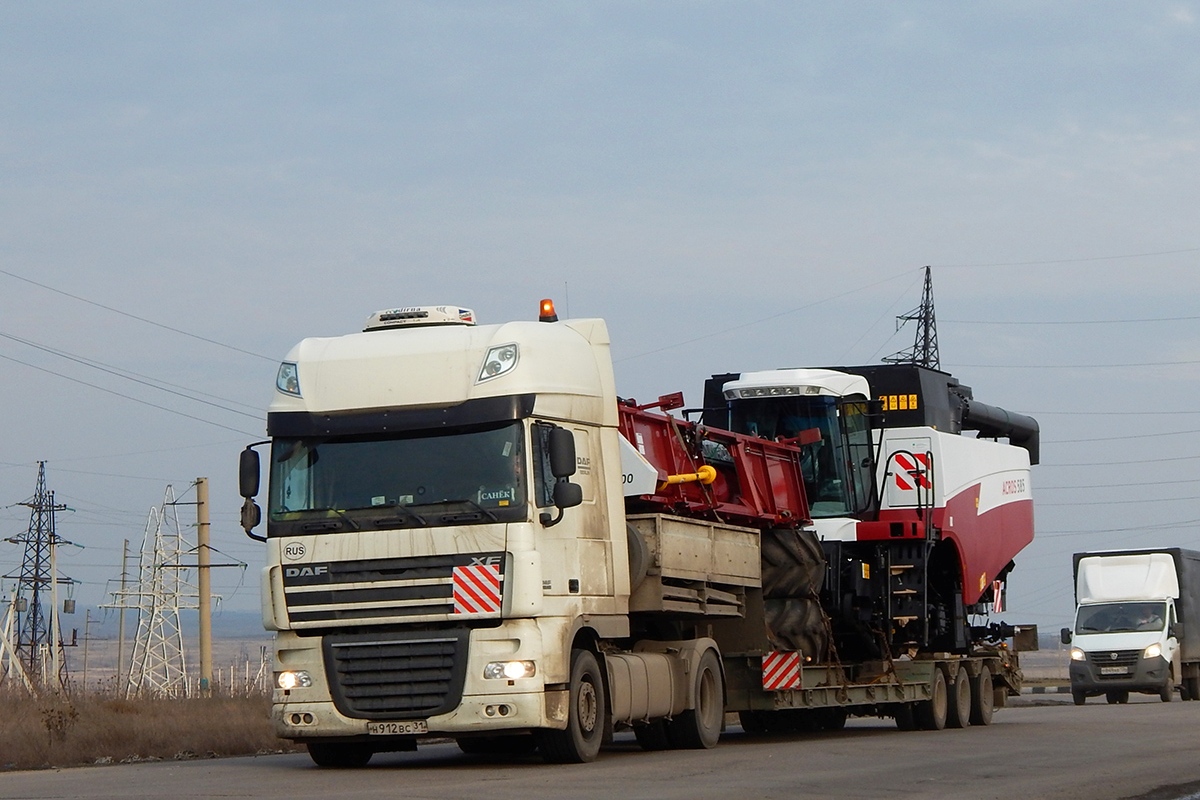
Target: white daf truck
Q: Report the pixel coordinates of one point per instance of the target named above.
(1136, 624)
(469, 535)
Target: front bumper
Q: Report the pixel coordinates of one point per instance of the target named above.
(1100, 673)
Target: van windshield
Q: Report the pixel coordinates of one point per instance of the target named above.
(1121, 617)
(413, 479)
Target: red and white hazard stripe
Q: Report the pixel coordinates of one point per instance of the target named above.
(781, 670)
(476, 589)
(913, 471)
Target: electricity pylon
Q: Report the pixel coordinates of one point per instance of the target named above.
(158, 666)
(37, 642)
(924, 351)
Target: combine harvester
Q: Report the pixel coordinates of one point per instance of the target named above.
(469, 535)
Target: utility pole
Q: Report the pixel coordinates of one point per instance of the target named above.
(121, 614)
(204, 584)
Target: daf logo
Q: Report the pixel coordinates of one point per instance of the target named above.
(306, 572)
(486, 561)
(294, 550)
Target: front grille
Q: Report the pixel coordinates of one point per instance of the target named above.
(1114, 658)
(418, 589)
(396, 676)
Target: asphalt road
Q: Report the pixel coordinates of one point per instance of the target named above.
(1043, 748)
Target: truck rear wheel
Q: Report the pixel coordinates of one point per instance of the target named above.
(699, 728)
(931, 714)
(339, 755)
(983, 697)
(958, 710)
(1192, 685)
(587, 715)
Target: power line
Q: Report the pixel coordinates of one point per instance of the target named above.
(1070, 260)
(136, 317)
(1078, 366)
(1117, 438)
(125, 396)
(126, 375)
(1069, 322)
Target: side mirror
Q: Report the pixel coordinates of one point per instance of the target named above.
(1065, 635)
(251, 516)
(248, 473)
(562, 452)
(567, 494)
(1176, 630)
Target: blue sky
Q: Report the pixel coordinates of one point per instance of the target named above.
(733, 186)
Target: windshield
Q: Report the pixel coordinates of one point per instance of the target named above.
(1121, 617)
(836, 469)
(414, 479)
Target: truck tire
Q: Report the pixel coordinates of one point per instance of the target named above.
(587, 715)
(699, 728)
(931, 714)
(905, 718)
(1193, 688)
(983, 697)
(958, 708)
(339, 755)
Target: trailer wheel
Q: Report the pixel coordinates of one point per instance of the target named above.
(586, 715)
(832, 719)
(983, 697)
(905, 718)
(700, 727)
(931, 714)
(958, 710)
(339, 755)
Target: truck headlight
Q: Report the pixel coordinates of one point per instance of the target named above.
(1153, 651)
(498, 361)
(510, 670)
(1078, 655)
(290, 679)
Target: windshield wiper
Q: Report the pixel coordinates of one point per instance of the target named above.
(470, 516)
(327, 524)
(402, 517)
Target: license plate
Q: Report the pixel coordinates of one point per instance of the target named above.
(408, 727)
(1114, 670)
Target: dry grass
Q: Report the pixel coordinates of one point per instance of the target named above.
(65, 730)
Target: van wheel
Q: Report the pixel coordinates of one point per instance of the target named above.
(1078, 696)
(983, 697)
(931, 714)
(700, 727)
(1167, 692)
(587, 715)
(1115, 697)
(958, 710)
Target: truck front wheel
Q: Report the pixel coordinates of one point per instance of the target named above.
(587, 715)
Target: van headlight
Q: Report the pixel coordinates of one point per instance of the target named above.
(510, 670)
(1153, 651)
(1078, 655)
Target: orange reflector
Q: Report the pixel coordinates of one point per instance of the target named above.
(547, 313)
